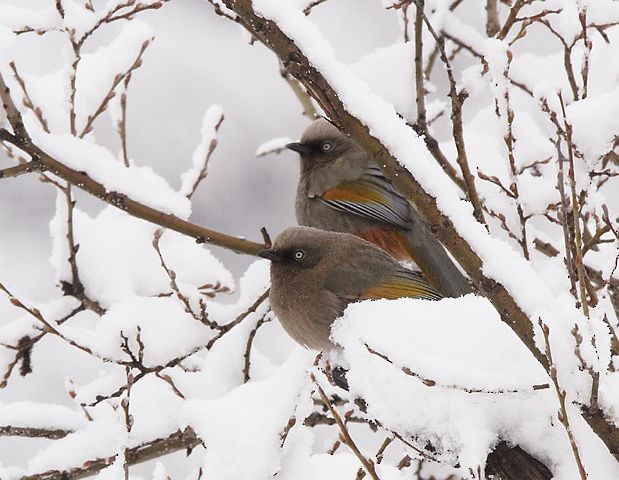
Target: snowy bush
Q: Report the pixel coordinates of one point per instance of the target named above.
(499, 122)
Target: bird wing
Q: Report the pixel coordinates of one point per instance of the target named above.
(370, 195)
(405, 283)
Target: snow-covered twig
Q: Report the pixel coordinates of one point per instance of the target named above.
(561, 395)
(76, 288)
(111, 92)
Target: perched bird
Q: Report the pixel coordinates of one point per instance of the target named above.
(341, 189)
(315, 274)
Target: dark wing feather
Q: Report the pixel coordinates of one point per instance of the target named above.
(372, 196)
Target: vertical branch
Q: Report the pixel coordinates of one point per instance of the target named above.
(419, 87)
(72, 88)
(582, 16)
(492, 18)
(509, 142)
(249, 345)
(580, 269)
(122, 124)
(456, 119)
(422, 120)
(561, 395)
(124, 403)
(306, 101)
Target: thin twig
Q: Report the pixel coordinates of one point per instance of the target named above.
(580, 270)
(368, 464)
(561, 394)
(456, 119)
(250, 342)
(28, 103)
(422, 122)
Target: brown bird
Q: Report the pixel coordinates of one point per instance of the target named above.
(315, 274)
(341, 189)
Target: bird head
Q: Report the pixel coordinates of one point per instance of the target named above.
(296, 249)
(321, 143)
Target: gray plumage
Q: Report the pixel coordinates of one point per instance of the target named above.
(315, 274)
(341, 189)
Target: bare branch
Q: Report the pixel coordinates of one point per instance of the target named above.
(14, 431)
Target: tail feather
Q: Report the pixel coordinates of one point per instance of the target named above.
(432, 259)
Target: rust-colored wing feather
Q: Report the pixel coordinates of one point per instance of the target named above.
(372, 196)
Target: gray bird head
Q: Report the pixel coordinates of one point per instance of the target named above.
(298, 248)
(322, 142)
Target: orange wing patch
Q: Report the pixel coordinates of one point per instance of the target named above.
(390, 241)
(353, 192)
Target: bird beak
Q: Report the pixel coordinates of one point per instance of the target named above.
(269, 254)
(299, 148)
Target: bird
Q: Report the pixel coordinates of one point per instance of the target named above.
(315, 274)
(342, 189)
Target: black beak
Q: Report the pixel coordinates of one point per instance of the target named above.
(269, 254)
(298, 147)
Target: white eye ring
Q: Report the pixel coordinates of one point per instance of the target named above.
(299, 254)
(326, 146)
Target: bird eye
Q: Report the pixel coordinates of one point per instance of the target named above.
(326, 146)
(299, 254)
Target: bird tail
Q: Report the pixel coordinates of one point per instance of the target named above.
(433, 260)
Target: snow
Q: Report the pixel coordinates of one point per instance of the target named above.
(389, 72)
(211, 121)
(126, 264)
(246, 423)
(41, 415)
(17, 18)
(476, 351)
(97, 440)
(275, 145)
(595, 139)
(96, 71)
(138, 183)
